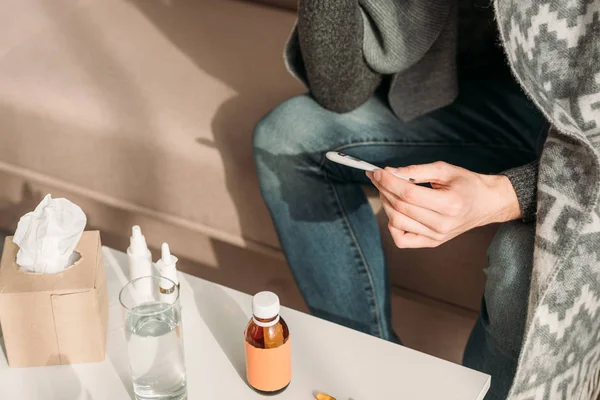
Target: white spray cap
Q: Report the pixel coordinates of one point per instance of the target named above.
(265, 305)
(167, 265)
(166, 256)
(137, 241)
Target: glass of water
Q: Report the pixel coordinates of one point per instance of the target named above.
(154, 338)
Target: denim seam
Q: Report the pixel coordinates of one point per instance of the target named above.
(397, 143)
(358, 249)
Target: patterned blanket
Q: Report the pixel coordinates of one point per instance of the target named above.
(554, 50)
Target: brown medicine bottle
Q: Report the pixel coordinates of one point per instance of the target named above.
(268, 352)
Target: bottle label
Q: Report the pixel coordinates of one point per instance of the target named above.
(269, 369)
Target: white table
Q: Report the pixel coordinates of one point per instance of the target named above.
(326, 357)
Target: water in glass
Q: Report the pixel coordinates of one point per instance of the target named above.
(154, 340)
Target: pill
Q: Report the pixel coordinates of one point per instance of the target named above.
(323, 396)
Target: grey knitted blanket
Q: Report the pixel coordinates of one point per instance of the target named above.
(554, 50)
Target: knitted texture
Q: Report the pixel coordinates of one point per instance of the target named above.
(524, 181)
(554, 51)
(414, 41)
(330, 34)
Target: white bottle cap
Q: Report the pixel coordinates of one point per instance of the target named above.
(165, 254)
(265, 305)
(167, 265)
(137, 241)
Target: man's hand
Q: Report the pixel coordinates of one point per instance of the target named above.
(459, 201)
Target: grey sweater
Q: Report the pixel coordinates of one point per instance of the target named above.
(342, 48)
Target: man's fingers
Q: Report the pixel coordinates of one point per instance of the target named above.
(431, 219)
(405, 223)
(437, 222)
(426, 217)
(431, 199)
(437, 172)
(407, 240)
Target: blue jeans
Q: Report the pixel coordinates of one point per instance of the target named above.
(328, 230)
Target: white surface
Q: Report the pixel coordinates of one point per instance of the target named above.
(326, 357)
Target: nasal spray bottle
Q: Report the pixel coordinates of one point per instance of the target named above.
(140, 261)
(167, 267)
(140, 258)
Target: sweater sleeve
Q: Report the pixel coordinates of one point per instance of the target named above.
(330, 34)
(524, 180)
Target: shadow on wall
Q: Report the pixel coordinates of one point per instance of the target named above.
(238, 43)
(10, 213)
(234, 42)
(119, 93)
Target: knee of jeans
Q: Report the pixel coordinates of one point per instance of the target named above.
(510, 261)
(287, 145)
(291, 128)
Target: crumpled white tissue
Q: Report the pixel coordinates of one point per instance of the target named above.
(47, 236)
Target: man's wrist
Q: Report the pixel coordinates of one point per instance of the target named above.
(507, 205)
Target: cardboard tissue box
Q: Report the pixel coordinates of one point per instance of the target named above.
(50, 319)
